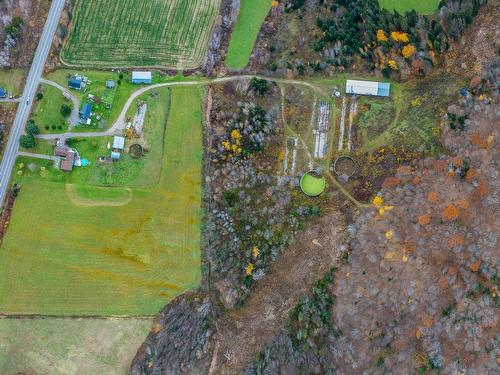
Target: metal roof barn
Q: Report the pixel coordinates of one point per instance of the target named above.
(368, 88)
(118, 143)
(142, 77)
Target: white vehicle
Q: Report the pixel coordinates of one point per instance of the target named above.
(27, 100)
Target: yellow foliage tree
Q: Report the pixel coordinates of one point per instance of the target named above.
(400, 36)
(381, 37)
(408, 50)
(392, 64)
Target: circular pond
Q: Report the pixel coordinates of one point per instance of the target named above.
(312, 184)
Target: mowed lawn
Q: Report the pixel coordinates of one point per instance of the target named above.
(170, 34)
(47, 112)
(252, 15)
(402, 6)
(66, 258)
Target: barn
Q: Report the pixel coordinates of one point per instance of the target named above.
(139, 78)
(75, 83)
(368, 88)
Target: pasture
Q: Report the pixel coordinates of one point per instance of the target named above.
(108, 251)
(154, 33)
(252, 15)
(70, 346)
(402, 6)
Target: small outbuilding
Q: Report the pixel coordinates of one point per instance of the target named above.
(110, 84)
(118, 143)
(115, 155)
(75, 83)
(3, 92)
(139, 78)
(86, 111)
(368, 88)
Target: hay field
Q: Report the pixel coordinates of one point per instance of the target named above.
(402, 6)
(124, 33)
(252, 15)
(63, 258)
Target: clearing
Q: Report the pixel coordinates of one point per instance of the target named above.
(126, 33)
(70, 346)
(11, 80)
(402, 6)
(252, 15)
(126, 259)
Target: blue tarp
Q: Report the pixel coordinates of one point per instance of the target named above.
(3, 93)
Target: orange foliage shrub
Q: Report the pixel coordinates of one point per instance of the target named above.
(476, 140)
(474, 267)
(463, 203)
(481, 191)
(424, 219)
(471, 175)
(390, 182)
(457, 162)
(433, 197)
(456, 240)
(450, 213)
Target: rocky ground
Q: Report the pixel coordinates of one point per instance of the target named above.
(420, 289)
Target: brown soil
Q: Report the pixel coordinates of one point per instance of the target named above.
(241, 333)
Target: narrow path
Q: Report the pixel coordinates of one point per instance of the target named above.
(74, 118)
(353, 111)
(241, 333)
(342, 123)
(8, 100)
(38, 156)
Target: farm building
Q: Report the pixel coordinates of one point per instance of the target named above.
(3, 93)
(368, 88)
(118, 146)
(141, 77)
(75, 83)
(118, 143)
(86, 111)
(110, 84)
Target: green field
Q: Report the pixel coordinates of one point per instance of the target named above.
(47, 111)
(100, 253)
(169, 34)
(402, 6)
(70, 346)
(252, 15)
(12, 80)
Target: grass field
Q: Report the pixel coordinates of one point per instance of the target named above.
(402, 6)
(170, 34)
(47, 111)
(70, 346)
(12, 80)
(109, 260)
(252, 15)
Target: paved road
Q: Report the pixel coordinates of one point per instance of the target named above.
(23, 111)
(74, 118)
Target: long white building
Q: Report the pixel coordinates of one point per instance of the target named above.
(368, 88)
